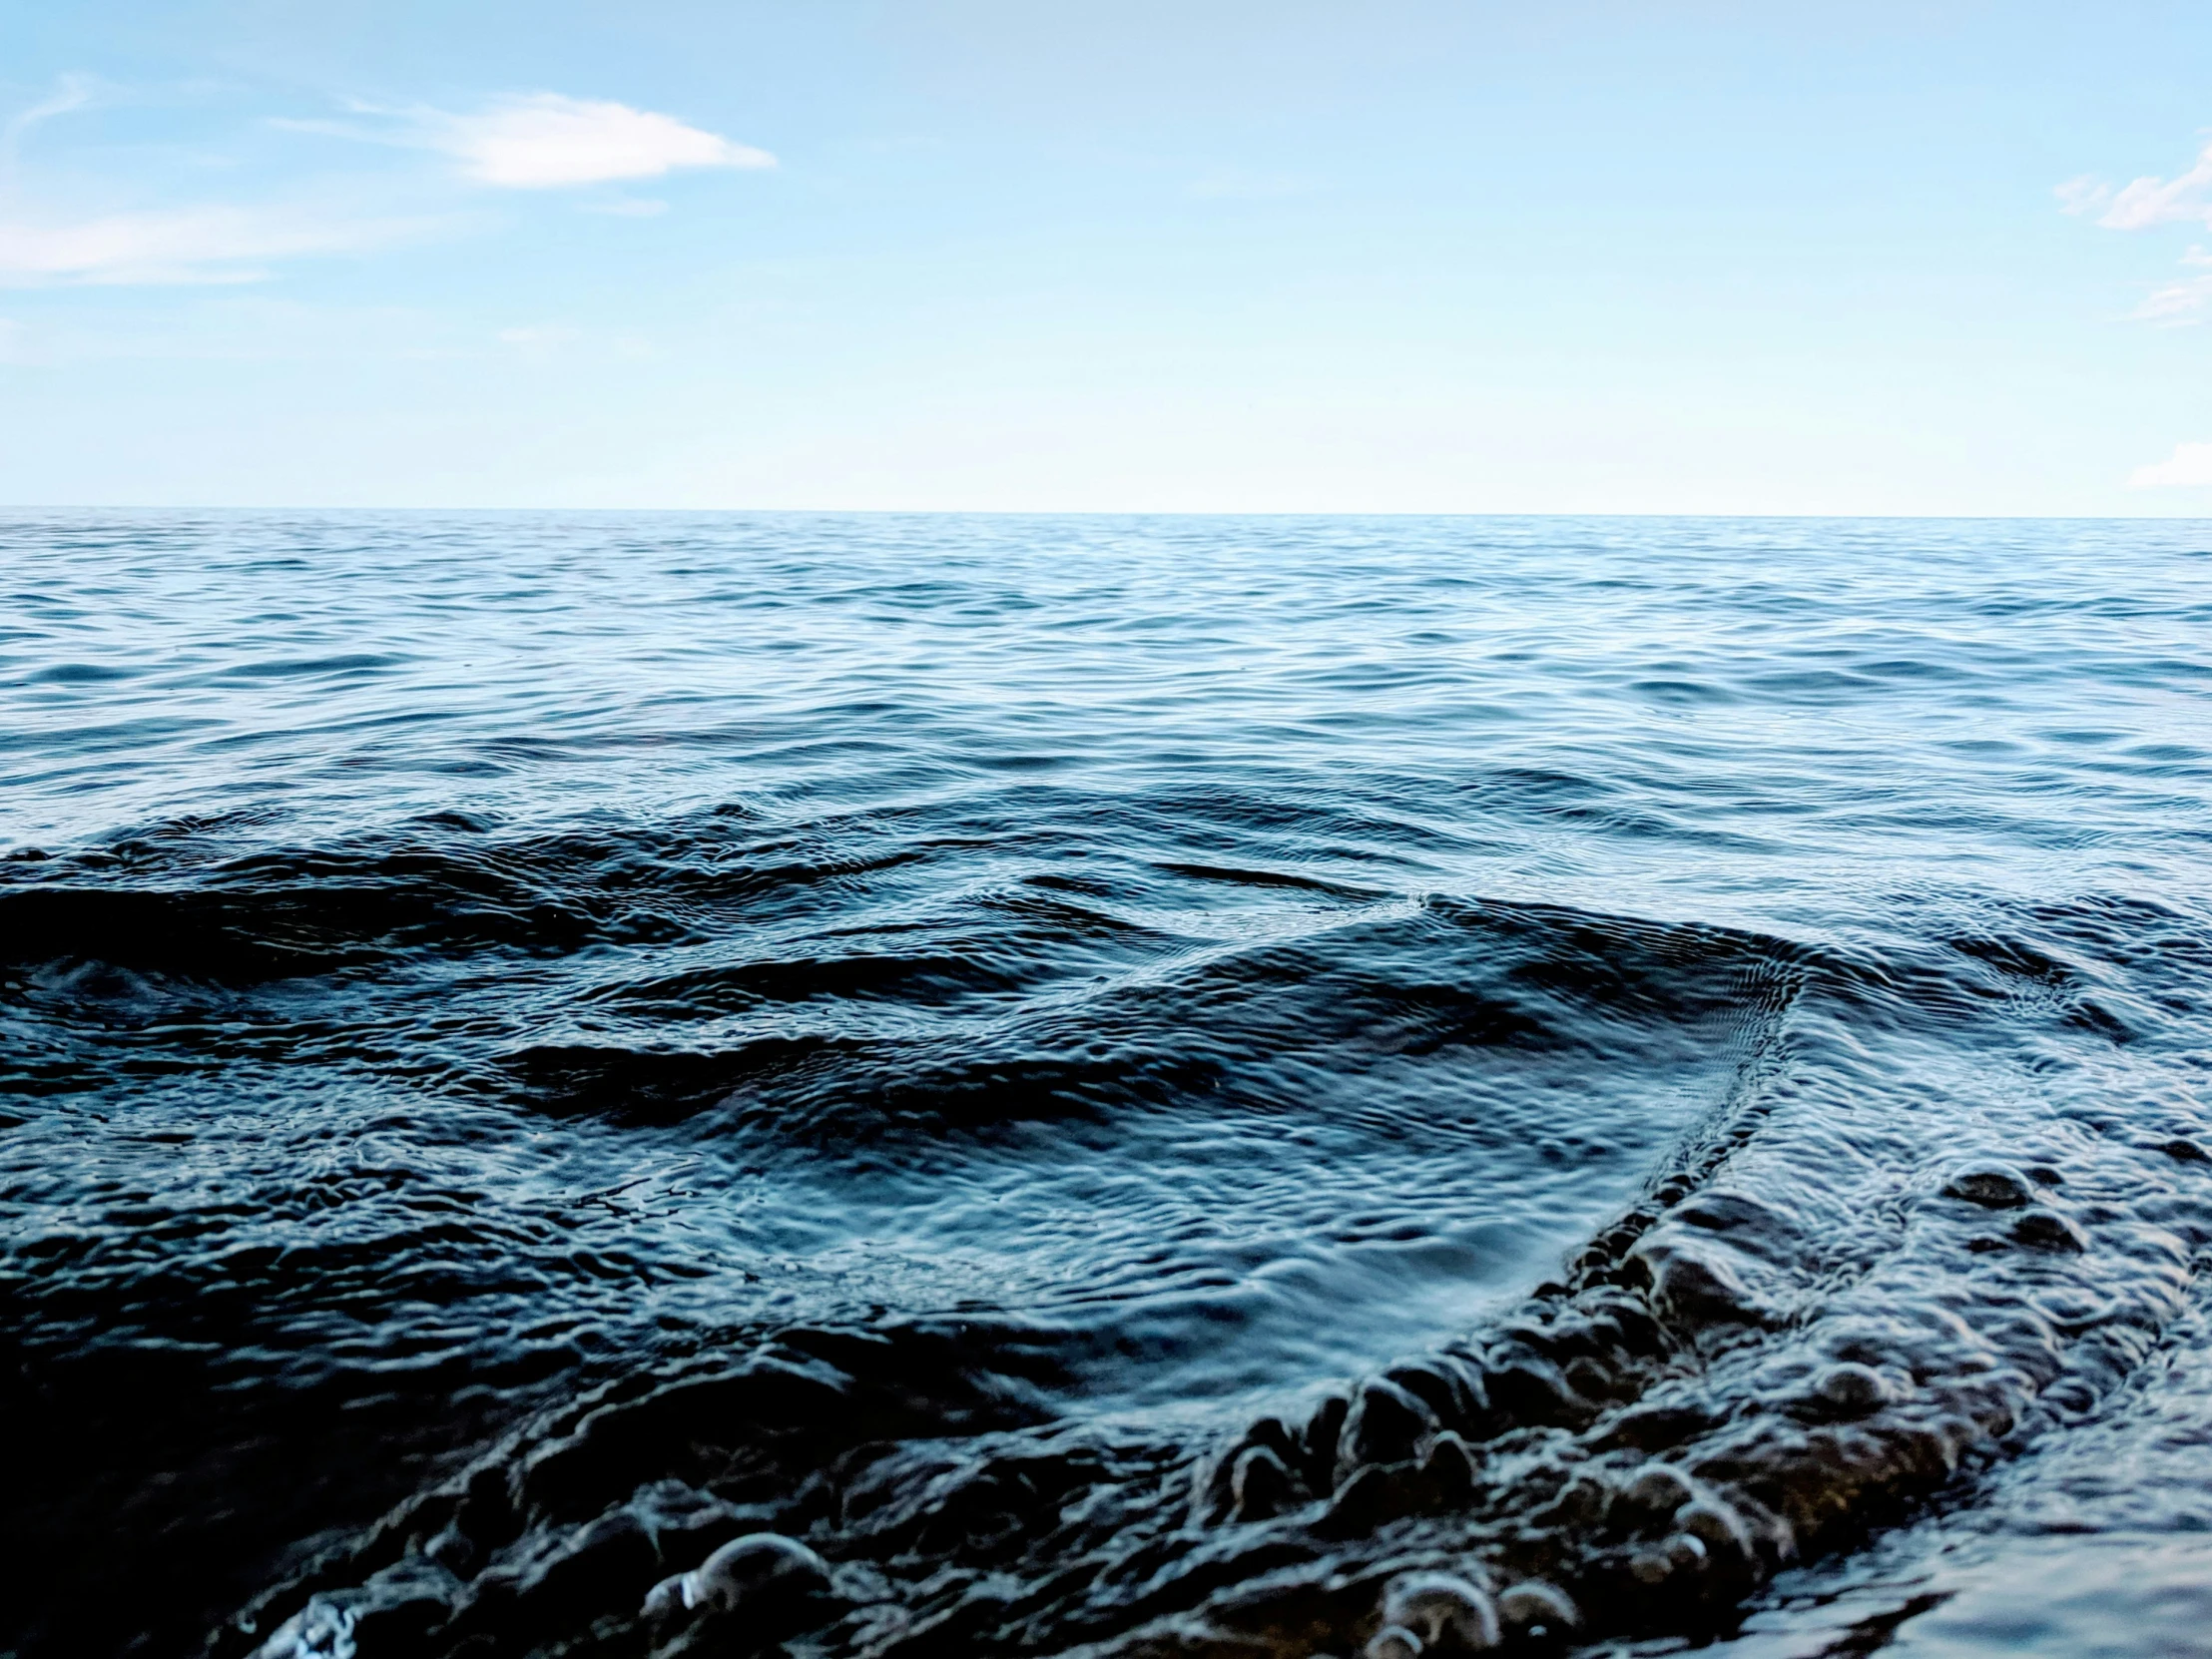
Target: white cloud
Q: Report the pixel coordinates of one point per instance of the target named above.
(2083, 196)
(2177, 303)
(2188, 467)
(545, 139)
(2184, 198)
(527, 143)
(180, 244)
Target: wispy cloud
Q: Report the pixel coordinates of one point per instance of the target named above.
(48, 239)
(2083, 196)
(2188, 467)
(181, 245)
(2185, 198)
(544, 141)
(2180, 302)
(71, 92)
(536, 142)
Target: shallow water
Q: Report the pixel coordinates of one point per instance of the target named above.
(535, 1045)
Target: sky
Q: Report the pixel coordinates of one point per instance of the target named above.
(1404, 256)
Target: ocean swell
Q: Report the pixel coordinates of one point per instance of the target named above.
(991, 1087)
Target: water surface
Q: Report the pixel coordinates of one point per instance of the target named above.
(1070, 990)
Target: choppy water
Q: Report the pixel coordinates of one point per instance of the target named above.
(535, 1046)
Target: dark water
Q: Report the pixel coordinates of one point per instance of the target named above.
(535, 1046)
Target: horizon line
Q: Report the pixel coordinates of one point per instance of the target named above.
(1122, 512)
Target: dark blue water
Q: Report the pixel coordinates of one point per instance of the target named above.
(535, 1045)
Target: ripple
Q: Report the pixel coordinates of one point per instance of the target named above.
(1143, 1086)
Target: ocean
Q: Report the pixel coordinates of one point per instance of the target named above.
(608, 1085)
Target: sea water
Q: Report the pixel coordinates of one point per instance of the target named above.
(1134, 1084)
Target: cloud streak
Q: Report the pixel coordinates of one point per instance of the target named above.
(71, 92)
(547, 140)
(181, 245)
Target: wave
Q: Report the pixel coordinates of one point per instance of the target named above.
(896, 1080)
(1797, 1337)
(1830, 1307)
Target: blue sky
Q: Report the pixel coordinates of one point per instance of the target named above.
(1050, 255)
